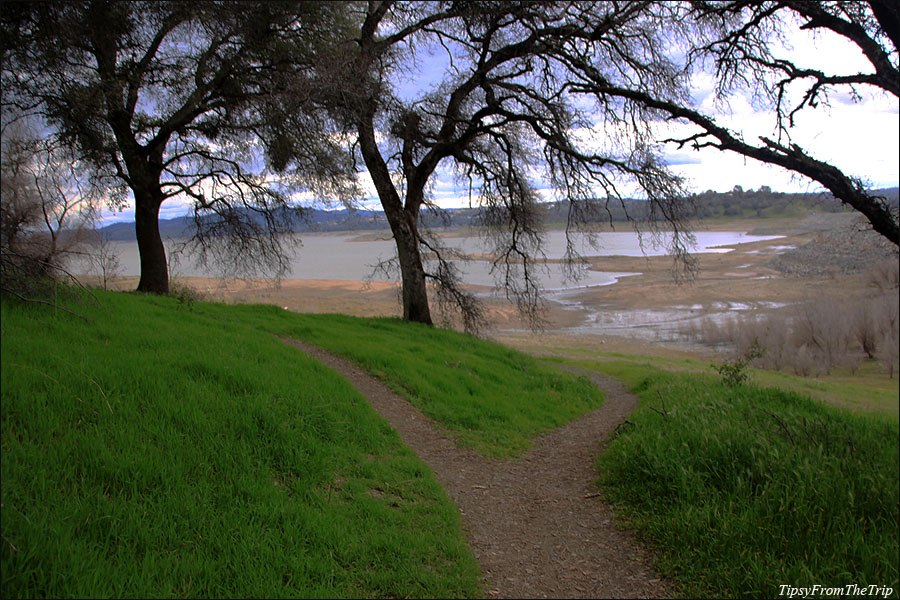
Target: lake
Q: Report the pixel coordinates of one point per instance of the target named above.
(345, 256)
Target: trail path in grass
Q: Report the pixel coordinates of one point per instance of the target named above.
(535, 523)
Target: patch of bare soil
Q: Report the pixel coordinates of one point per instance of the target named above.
(536, 524)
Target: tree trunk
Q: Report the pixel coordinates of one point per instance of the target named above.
(412, 272)
(404, 226)
(154, 268)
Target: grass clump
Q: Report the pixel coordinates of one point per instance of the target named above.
(746, 488)
(158, 452)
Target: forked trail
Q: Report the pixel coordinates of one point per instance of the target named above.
(535, 523)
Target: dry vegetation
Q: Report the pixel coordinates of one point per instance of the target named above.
(815, 336)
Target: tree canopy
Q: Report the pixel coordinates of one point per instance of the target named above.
(741, 41)
(241, 106)
(501, 119)
(167, 100)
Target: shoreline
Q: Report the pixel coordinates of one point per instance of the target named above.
(638, 311)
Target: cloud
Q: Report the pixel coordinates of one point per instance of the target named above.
(107, 217)
(175, 207)
(681, 158)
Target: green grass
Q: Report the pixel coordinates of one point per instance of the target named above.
(492, 398)
(743, 489)
(177, 448)
(868, 389)
(160, 452)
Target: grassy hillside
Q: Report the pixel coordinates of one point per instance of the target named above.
(492, 398)
(746, 488)
(167, 447)
(174, 448)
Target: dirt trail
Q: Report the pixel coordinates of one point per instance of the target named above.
(535, 523)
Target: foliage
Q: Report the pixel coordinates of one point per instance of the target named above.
(745, 488)
(192, 453)
(734, 372)
(168, 100)
(761, 203)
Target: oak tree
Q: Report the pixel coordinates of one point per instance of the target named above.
(742, 43)
(167, 100)
(503, 119)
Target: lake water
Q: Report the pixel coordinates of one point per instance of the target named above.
(342, 257)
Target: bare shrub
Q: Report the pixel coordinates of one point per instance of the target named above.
(104, 260)
(884, 276)
(873, 321)
(888, 352)
(775, 333)
(822, 327)
(804, 362)
(46, 209)
(772, 333)
(714, 332)
(813, 337)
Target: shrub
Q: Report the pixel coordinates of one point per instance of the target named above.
(735, 372)
(816, 336)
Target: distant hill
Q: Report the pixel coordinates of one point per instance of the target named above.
(736, 203)
(316, 220)
(766, 203)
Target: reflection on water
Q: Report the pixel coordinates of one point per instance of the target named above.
(341, 257)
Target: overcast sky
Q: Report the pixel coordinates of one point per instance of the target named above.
(859, 136)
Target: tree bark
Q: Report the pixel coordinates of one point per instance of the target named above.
(144, 175)
(415, 292)
(404, 226)
(154, 268)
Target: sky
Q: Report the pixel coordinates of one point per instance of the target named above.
(861, 136)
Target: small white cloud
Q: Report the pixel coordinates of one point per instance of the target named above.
(682, 158)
